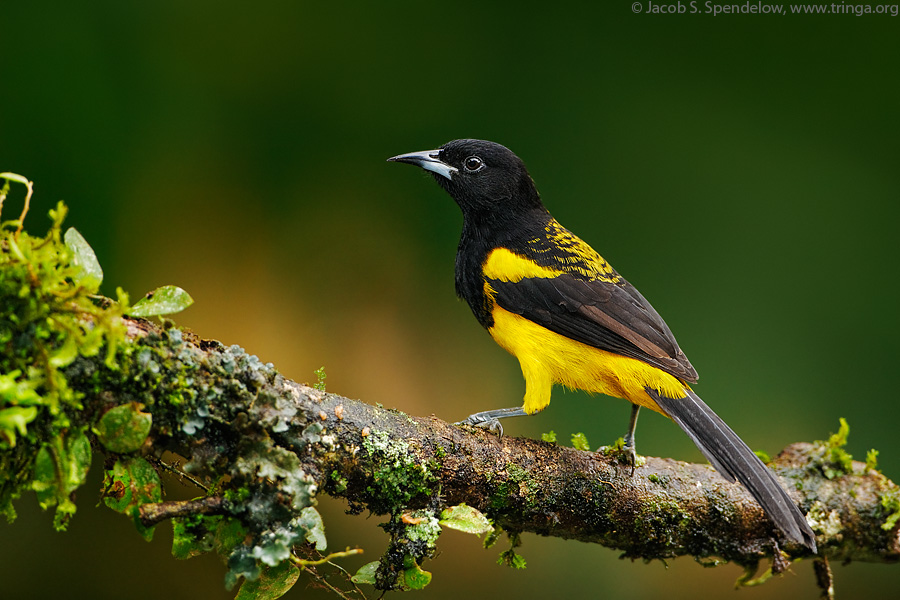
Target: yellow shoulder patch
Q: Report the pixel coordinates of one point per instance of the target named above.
(505, 265)
(560, 248)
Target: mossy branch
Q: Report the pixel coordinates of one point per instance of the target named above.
(77, 376)
(388, 462)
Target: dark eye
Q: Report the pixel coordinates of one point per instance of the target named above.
(473, 163)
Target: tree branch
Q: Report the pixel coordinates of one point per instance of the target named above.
(153, 514)
(384, 460)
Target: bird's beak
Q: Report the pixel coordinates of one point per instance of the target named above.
(428, 160)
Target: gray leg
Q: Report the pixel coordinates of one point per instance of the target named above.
(490, 419)
(629, 449)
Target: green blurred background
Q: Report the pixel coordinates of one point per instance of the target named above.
(741, 171)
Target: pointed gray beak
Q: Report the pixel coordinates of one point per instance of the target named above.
(428, 160)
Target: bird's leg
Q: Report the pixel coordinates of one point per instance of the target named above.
(628, 450)
(490, 419)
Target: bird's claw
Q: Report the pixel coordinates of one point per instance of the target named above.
(490, 423)
(629, 455)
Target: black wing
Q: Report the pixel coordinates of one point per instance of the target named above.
(610, 316)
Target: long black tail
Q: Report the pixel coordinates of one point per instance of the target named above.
(734, 460)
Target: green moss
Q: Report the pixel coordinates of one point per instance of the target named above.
(839, 461)
(320, 379)
(340, 482)
(872, 460)
(192, 536)
(613, 449)
(890, 502)
(659, 522)
(580, 442)
(523, 485)
(399, 477)
(500, 498)
(763, 456)
(516, 473)
(549, 437)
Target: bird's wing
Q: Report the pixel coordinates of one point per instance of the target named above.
(611, 316)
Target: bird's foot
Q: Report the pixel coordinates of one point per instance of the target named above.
(625, 452)
(490, 419)
(628, 456)
(483, 421)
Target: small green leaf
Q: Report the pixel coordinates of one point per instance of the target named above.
(84, 258)
(579, 442)
(311, 521)
(492, 538)
(366, 573)
(272, 583)
(60, 468)
(124, 428)
(130, 483)
(14, 420)
(166, 300)
(229, 534)
(45, 484)
(466, 519)
(413, 578)
(550, 437)
(19, 392)
(79, 461)
(512, 559)
(65, 354)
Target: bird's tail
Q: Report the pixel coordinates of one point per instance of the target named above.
(734, 460)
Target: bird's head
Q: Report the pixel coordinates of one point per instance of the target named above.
(483, 178)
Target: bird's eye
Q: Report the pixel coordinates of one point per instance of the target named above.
(473, 164)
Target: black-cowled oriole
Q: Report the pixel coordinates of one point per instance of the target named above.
(553, 302)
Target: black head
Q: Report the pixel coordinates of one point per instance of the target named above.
(484, 178)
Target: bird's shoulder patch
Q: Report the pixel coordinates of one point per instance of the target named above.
(503, 264)
(548, 252)
(574, 255)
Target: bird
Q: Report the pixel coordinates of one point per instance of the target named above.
(563, 311)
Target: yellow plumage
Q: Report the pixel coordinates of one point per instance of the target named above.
(505, 265)
(547, 358)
